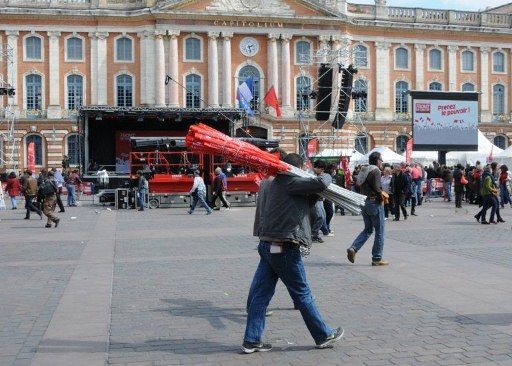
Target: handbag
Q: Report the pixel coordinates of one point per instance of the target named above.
(463, 180)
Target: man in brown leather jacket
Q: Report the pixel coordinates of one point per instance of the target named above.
(30, 189)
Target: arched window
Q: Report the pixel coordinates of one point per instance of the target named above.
(303, 52)
(401, 143)
(435, 60)
(361, 143)
(33, 48)
(401, 89)
(498, 62)
(74, 49)
(468, 87)
(38, 148)
(361, 104)
(251, 74)
(467, 61)
(73, 150)
(124, 49)
(33, 83)
(193, 85)
(361, 56)
(193, 49)
(303, 93)
(75, 91)
(124, 90)
(401, 58)
(500, 141)
(498, 99)
(435, 86)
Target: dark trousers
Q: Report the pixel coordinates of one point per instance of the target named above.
(221, 195)
(29, 206)
(329, 212)
(59, 200)
(399, 204)
(459, 190)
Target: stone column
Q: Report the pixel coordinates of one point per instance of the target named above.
(149, 57)
(93, 82)
(384, 110)
(54, 108)
(335, 59)
(102, 68)
(173, 68)
(142, 60)
(420, 66)
(226, 58)
(286, 103)
(485, 111)
(272, 64)
(213, 70)
(12, 68)
(159, 69)
(324, 48)
(452, 68)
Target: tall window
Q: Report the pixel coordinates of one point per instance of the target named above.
(498, 101)
(73, 149)
(500, 141)
(75, 91)
(193, 85)
(74, 49)
(124, 90)
(303, 52)
(33, 84)
(467, 61)
(498, 62)
(303, 93)
(401, 89)
(33, 48)
(434, 59)
(193, 49)
(124, 49)
(251, 74)
(361, 143)
(38, 147)
(361, 104)
(361, 56)
(435, 86)
(468, 87)
(401, 143)
(401, 58)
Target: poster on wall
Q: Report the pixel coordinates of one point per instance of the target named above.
(445, 121)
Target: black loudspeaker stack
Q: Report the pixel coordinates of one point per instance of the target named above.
(347, 74)
(324, 96)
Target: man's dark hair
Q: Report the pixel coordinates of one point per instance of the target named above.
(320, 164)
(494, 165)
(281, 152)
(29, 172)
(294, 159)
(374, 158)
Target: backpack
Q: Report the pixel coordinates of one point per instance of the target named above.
(46, 188)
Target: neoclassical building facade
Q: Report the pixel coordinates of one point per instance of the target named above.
(59, 55)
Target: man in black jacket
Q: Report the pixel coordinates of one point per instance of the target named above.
(49, 191)
(400, 185)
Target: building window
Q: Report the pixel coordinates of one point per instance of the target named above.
(435, 86)
(251, 76)
(33, 85)
(33, 48)
(401, 143)
(361, 143)
(193, 49)
(468, 87)
(75, 91)
(124, 49)
(401, 89)
(361, 56)
(73, 149)
(303, 93)
(435, 60)
(498, 62)
(124, 90)
(467, 61)
(500, 141)
(401, 58)
(361, 104)
(303, 52)
(498, 99)
(193, 85)
(74, 49)
(38, 148)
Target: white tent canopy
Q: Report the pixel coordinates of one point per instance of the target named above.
(388, 156)
(505, 157)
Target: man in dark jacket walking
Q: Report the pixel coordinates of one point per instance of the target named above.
(400, 185)
(30, 191)
(458, 172)
(220, 186)
(49, 191)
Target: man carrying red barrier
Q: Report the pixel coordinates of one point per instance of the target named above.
(220, 186)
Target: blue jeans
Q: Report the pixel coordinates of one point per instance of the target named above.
(141, 199)
(373, 216)
(202, 199)
(448, 190)
(71, 194)
(288, 267)
(504, 195)
(14, 202)
(419, 191)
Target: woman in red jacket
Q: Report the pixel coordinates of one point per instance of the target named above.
(13, 189)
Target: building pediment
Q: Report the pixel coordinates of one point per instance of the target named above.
(502, 9)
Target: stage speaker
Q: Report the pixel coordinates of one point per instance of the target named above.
(324, 95)
(347, 75)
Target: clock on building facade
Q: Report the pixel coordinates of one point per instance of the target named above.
(249, 47)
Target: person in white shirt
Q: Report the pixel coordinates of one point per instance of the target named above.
(60, 182)
(198, 193)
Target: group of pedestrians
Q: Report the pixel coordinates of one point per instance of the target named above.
(198, 192)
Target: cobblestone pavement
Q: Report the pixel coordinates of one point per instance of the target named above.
(162, 287)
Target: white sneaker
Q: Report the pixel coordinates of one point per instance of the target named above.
(330, 234)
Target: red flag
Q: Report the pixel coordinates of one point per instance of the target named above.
(408, 150)
(31, 156)
(490, 158)
(271, 100)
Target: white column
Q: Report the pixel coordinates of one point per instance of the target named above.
(452, 68)
(213, 70)
(286, 75)
(335, 60)
(325, 48)
(273, 66)
(102, 68)
(173, 68)
(142, 60)
(12, 68)
(54, 108)
(485, 112)
(384, 111)
(420, 66)
(150, 67)
(227, 85)
(159, 69)
(93, 82)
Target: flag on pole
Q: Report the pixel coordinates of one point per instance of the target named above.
(31, 156)
(490, 157)
(408, 150)
(271, 100)
(245, 91)
(243, 103)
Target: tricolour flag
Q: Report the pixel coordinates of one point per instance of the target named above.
(243, 103)
(271, 100)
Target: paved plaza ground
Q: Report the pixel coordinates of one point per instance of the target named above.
(164, 288)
